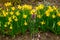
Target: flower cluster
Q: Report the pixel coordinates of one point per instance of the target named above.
(48, 18)
(19, 19)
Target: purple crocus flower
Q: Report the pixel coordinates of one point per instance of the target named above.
(33, 16)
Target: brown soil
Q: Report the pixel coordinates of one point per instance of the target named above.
(39, 36)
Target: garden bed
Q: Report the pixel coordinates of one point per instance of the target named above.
(27, 36)
(20, 19)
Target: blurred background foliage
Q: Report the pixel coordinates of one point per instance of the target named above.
(33, 2)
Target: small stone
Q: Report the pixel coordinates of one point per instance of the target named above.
(37, 39)
(32, 38)
(39, 36)
(7, 38)
(46, 34)
(3, 36)
(57, 37)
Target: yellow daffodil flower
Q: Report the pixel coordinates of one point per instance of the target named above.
(19, 7)
(16, 19)
(11, 27)
(58, 23)
(4, 13)
(50, 8)
(33, 11)
(24, 16)
(9, 19)
(17, 13)
(8, 22)
(58, 14)
(25, 23)
(8, 4)
(42, 22)
(37, 8)
(54, 8)
(5, 25)
(53, 16)
(26, 7)
(41, 6)
(7, 9)
(47, 13)
(13, 8)
(39, 16)
(11, 13)
(30, 7)
(13, 16)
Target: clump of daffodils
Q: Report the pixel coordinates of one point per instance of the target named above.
(27, 7)
(48, 17)
(41, 6)
(14, 20)
(8, 4)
